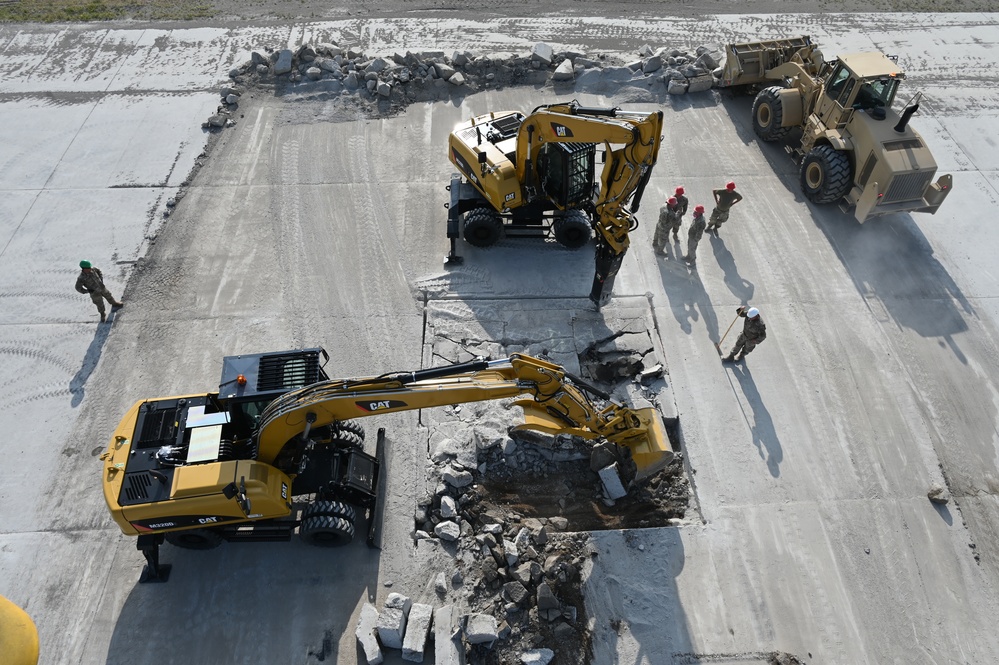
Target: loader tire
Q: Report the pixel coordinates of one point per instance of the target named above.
(350, 426)
(326, 531)
(825, 174)
(330, 508)
(483, 227)
(195, 539)
(572, 230)
(347, 439)
(768, 114)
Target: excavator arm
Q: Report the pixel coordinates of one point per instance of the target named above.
(553, 401)
(626, 172)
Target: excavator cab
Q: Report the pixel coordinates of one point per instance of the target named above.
(566, 172)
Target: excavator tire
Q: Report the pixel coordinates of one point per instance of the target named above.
(572, 230)
(768, 114)
(483, 227)
(346, 439)
(326, 531)
(825, 174)
(351, 426)
(331, 508)
(195, 539)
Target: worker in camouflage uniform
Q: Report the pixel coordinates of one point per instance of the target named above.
(681, 204)
(724, 200)
(669, 221)
(694, 234)
(91, 282)
(753, 332)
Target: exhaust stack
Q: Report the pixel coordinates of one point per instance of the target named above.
(906, 114)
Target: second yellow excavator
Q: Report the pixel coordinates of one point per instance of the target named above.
(535, 175)
(278, 448)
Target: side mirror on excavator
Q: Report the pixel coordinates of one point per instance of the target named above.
(230, 491)
(482, 162)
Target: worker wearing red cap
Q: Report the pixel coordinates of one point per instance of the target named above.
(669, 222)
(724, 200)
(91, 282)
(694, 234)
(753, 332)
(681, 204)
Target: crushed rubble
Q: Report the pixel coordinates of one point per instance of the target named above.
(389, 83)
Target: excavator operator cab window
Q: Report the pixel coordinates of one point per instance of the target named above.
(566, 172)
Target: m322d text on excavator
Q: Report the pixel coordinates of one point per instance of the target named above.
(277, 448)
(536, 176)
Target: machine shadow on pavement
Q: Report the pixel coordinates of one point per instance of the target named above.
(687, 296)
(662, 637)
(90, 359)
(246, 603)
(761, 425)
(888, 258)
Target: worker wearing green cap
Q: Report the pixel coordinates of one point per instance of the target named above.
(91, 282)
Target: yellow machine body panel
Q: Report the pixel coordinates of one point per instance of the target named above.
(18, 635)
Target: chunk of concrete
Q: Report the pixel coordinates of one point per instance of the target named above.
(448, 531)
(610, 476)
(448, 648)
(938, 494)
(700, 83)
(676, 87)
(456, 478)
(444, 71)
(417, 629)
(448, 507)
(537, 657)
(283, 64)
(653, 64)
(546, 598)
(481, 628)
(391, 624)
(365, 632)
(542, 53)
(564, 72)
(457, 79)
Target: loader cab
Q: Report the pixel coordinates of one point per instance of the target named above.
(859, 82)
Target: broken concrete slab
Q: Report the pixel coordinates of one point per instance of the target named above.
(283, 63)
(537, 657)
(448, 647)
(543, 53)
(610, 476)
(448, 531)
(365, 632)
(417, 630)
(564, 72)
(481, 629)
(391, 625)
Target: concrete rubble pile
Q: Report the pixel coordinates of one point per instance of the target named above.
(431, 75)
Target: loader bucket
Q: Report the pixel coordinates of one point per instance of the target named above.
(650, 447)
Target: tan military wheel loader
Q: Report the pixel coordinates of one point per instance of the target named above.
(854, 148)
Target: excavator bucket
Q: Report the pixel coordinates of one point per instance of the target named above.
(650, 450)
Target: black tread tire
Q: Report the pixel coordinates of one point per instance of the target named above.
(483, 227)
(351, 426)
(195, 539)
(768, 114)
(347, 439)
(572, 230)
(331, 508)
(326, 531)
(825, 174)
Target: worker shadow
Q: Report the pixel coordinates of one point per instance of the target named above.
(761, 425)
(618, 601)
(77, 384)
(688, 299)
(740, 287)
(888, 258)
(245, 603)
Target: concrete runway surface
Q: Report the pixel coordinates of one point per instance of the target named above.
(812, 533)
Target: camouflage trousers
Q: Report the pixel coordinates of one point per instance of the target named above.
(99, 297)
(744, 345)
(692, 248)
(718, 217)
(661, 239)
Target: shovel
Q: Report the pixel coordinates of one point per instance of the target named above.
(718, 345)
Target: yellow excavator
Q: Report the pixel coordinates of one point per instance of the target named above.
(535, 176)
(278, 447)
